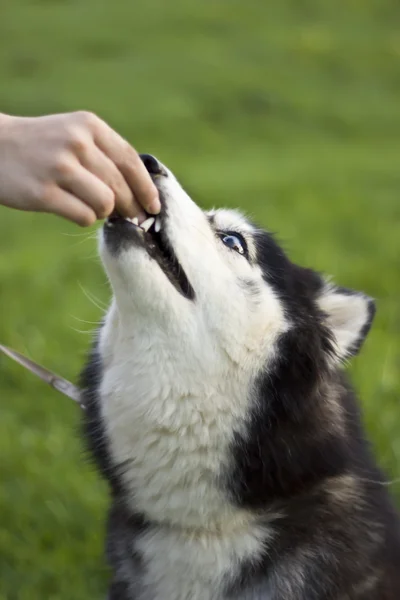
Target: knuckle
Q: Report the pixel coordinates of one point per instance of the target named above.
(87, 118)
(64, 166)
(77, 139)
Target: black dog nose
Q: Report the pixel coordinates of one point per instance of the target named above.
(152, 164)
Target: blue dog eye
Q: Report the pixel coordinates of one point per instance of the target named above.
(233, 242)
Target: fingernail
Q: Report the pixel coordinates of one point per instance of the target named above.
(154, 206)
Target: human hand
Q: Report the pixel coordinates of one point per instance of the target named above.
(73, 165)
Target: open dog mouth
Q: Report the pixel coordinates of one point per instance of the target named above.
(158, 246)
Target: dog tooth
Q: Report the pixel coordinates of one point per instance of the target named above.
(148, 223)
(157, 226)
(135, 221)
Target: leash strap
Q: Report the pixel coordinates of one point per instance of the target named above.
(55, 381)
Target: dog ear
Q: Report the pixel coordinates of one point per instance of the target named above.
(349, 317)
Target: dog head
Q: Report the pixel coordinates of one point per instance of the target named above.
(221, 285)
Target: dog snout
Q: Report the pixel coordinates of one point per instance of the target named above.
(153, 165)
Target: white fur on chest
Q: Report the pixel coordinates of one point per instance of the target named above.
(170, 427)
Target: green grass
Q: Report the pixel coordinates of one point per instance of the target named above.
(289, 110)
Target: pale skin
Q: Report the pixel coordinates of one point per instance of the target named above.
(73, 165)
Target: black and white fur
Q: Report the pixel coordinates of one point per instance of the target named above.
(219, 414)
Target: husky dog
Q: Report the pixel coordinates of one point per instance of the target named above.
(218, 412)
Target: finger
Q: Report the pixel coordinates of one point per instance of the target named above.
(95, 161)
(68, 206)
(130, 165)
(88, 188)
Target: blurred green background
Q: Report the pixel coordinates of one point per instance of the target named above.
(289, 110)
